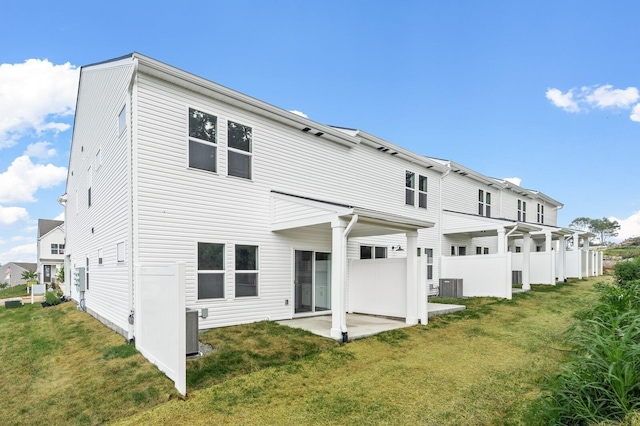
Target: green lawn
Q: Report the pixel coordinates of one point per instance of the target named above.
(16, 291)
(481, 366)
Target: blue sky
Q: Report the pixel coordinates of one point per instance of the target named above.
(542, 91)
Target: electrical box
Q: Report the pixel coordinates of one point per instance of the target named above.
(79, 278)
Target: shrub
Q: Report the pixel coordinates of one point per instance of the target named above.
(3, 286)
(627, 271)
(52, 298)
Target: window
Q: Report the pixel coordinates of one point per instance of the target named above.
(484, 203)
(540, 213)
(409, 191)
(240, 149)
(485, 250)
(99, 256)
(429, 253)
(246, 271)
(89, 181)
(422, 191)
(120, 252)
(518, 249)
(522, 211)
(60, 248)
(478, 250)
(371, 252)
(458, 251)
(210, 271)
(203, 146)
(122, 120)
(87, 274)
(381, 252)
(54, 249)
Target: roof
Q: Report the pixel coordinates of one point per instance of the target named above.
(46, 225)
(24, 265)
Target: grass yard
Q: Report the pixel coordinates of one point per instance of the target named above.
(481, 366)
(16, 291)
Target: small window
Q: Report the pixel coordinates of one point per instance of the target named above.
(54, 249)
(422, 191)
(120, 252)
(409, 190)
(484, 203)
(60, 248)
(478, 250)
(458, 251)
(429, 253)
(518, 249)
(246, 271)
(366, 252)
(210, 271)
(540, 213)
(99, 256)
(122, 120)
(485, 250)
(240, 150)
(203, 147)
(522, 211)
(381, 252)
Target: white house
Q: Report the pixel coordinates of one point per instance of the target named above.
(11, 272)
(261, 205)
(50, 249)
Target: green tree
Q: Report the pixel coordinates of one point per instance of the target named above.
(60, 275)
(604, 229)
(29, 275)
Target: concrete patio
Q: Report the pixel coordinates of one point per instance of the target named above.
(360, 326)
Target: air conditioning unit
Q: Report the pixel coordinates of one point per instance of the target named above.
(450, 287)
(192, 332)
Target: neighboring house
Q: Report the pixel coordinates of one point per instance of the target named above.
(11, 272)
(50, 249)
(263, 206)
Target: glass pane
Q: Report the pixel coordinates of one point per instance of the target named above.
(480, 209)
(478, 250)
(422, 183)
(422, 200)
(486, 250)
(202, 156)
(365, 252)
(239, 136)
(429, 272)
(246, 258)
(303, 281)
(323, 282)
(210, 257)
(239, 165)
(462, 251)
(480, 195)
(202, 125)
(381, 252)
(410, 179)
(488, 198)
(409, 197)
(429, 255)
(488, 210)
(211, 286)
(246, 284)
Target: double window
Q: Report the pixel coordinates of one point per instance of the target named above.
(522, 211)
(373, 252)
(540, 213)
(458, 251)
(211, 270)
(410, 190)
(484, 203)
(203, 145)
(482, 250)
(239, 150)
(57, 248)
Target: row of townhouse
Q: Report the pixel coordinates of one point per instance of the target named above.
(274, 216)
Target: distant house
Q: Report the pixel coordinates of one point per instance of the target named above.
(50, 249)
(11, 272)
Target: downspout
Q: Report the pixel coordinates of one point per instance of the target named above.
(440, 230)
(343, 301)
(131, 319)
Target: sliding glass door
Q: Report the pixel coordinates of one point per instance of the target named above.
(312, 281)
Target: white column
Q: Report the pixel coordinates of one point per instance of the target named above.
(338, 259)
(578, 253)
(423, 309)
(413, 293)
(502, 241)
(526, 253)
(562, 258)
(585, 247)
(548, 239)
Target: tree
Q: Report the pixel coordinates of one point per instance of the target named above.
(29, 275)
(581, 223)
(60, 275)
(605, 228)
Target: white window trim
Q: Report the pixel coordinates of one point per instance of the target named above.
(410, 188)
(215, 144)
(223, 272)
(256, 271)
(420, 192)
(241, 152)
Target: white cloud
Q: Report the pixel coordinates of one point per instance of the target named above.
(606, 96)
(60, 216)
(596, 97)
(9, 215)
(514, 180)
(300, 113)
(635, 113)
(23, 178)
(563, 100)
(33, 95)
(629, 227)
(40, 150)
(22, 253)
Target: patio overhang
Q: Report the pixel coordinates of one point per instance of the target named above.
(293, 211)
(479, 226)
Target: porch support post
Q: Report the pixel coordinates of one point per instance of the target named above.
(526, 253)
(548, 239)
(585, 247)
(338, 259)
(562, 259)
(502, 241)
(578, 253)
(413, 293)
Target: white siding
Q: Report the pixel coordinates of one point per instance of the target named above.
(102, 94)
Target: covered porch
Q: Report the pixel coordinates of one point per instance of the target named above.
(291, 212)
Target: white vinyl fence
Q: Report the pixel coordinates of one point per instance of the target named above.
(160, 316)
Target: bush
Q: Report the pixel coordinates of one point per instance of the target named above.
(52, 298)
(627, 271)
(602, 380)
(3, 286)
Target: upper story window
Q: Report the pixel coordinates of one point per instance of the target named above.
(522, 211)
(422, 191)
(210, 271)
(122, 120)
(540, 213)
(484, 203)
(57, 248)
(239, 150)
(203, 145)
(409, 191)
(246, 270)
